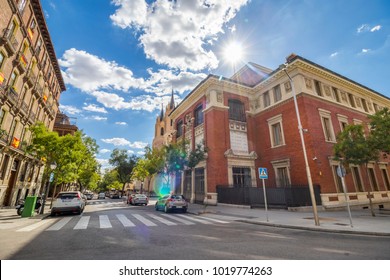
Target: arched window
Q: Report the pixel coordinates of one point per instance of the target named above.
(236, 110)
(179, 128)
(162, 131)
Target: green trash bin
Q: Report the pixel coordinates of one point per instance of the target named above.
(29, 206)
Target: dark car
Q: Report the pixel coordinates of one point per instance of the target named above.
(171, 202)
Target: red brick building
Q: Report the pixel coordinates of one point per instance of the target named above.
(249, 121)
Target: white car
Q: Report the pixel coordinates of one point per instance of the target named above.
(102, 195)
(66, 202)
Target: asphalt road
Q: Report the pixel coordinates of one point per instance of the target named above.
(109, 229)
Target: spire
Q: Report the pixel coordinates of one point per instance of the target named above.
(172, 103)
(162, 113)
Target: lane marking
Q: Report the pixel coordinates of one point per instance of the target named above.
(162, 220)
(125, 221)
(82, 223)
(104, 221)
(33, 226)
(59, 225)
(144, 221)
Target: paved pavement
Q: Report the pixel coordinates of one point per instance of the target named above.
(302, 218)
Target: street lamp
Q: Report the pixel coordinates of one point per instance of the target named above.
(52, 166)
(300, 129)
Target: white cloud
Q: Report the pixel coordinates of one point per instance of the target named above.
(90, 73)
(130, 152)
(363, 28)
(94, 108)
(177, 33)
(366, 50)
(96, 118)
(376, 28)
(334, 54)
(144, 102)
(141, 153)
(104, 151)
(121, 123)
(104, 163)
(124, 142)
(70, 109)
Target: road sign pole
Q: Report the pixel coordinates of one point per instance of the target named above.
(265, 200)
(346, 200)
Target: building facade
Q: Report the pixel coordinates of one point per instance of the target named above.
(249, 121)
(63, 124)
(30, 87)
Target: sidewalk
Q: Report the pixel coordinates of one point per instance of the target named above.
(330, 221)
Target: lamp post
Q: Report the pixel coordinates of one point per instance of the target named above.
(53, 166)
(300, 129)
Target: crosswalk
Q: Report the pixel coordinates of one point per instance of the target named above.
(84, 222)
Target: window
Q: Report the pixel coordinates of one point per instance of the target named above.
(276, 131)
(13, 128)
(33, 24)
(372, 177)
(2, 116)
(282, 178)
(386, 179)
(198, 115)
(277, 93)
(236, 110)
(351, 100)
(38, 48)
(317, 85)
(179, 128)
(2, 59)
(266, 99)
(162, 131)
(339, 185)
(21, 5)
(376, 108)
(4, 166)
(365, 105)
(242, 177)
(336, 94)
(327, 126)
(13, 78)
(357, 178)
(343, 121)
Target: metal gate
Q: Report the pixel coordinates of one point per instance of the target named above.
(199, 185)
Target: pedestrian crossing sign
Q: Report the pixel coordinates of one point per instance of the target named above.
(263, 174)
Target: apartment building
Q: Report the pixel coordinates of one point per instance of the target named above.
(30, 87)
(249, 121)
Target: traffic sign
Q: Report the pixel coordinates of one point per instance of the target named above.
(341, 171)
(263, 174)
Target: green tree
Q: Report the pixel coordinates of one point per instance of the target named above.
(380, 128)
(354, 148)
(124, 165)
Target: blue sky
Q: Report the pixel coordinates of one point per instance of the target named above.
(121, 59)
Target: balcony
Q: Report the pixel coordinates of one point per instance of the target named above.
(38, 91)
(9, 41)
(21, 62)
(30, 78)
(23, 108)
(12, 95)
(3, 136)
(32, 117)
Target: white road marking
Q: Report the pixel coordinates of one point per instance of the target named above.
(59, 225)
(162, 220)
(144, 221)
(174, 217)
(104, 221)
(196, 220)
(214, 220)
(34, 226)
(125, 221)
(82, 223)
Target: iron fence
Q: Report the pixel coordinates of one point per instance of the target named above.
(294, 196)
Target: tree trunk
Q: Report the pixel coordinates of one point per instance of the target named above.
(369, 193)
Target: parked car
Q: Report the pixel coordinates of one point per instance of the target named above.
(172, 202)
(89, 196)
(137, 199)
(114, 195)
(130, 198)
(102, 195)
(66, 202)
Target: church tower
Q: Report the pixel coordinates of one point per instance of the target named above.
(164, 125)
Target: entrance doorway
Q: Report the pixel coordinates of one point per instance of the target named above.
(11, 183)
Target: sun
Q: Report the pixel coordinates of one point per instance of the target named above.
(233, 52)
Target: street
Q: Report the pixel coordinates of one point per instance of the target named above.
(111, 229)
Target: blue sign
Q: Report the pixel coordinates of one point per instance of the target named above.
(263, 174)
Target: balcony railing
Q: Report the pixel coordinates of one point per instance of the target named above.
(32, 117)
(12, 95)
(31, 77)
(23, 107)
(38, 90)
(21, 62)
(9, 41)
(3, 136)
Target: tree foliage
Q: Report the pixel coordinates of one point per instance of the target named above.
(380, 131)
(124, 165)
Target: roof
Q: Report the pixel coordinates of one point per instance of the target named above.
(36, 4)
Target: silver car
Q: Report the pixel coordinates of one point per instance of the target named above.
(172, 202)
